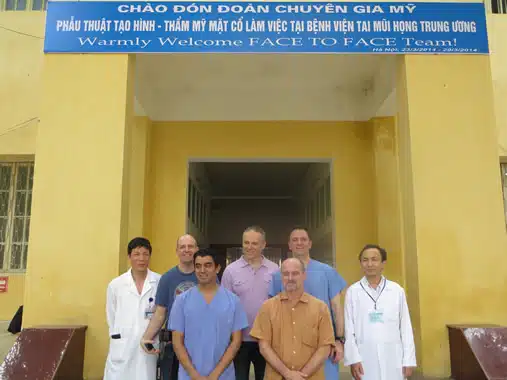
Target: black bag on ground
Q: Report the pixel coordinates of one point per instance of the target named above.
(15, 325)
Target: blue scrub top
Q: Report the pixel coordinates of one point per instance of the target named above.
(323, 282)
(207, 328)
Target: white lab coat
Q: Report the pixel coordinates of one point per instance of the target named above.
(383, 348)
(125, 309)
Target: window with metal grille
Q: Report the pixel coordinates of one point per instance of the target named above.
(16, 182)
(499, 6)
(23, 5)
(503, 168)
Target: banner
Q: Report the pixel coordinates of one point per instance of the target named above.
(265, 27)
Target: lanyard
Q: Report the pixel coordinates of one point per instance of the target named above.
(369, 295)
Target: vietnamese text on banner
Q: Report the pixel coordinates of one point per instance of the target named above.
(265, 27)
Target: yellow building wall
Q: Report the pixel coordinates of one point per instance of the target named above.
(497, 30)
(387, 195)
(454, 222)
(20, 89)
(84, 248)
(20, 67)
(139, 153)
(348, 144)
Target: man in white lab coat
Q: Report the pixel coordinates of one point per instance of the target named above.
(129, 306)
(379, 341)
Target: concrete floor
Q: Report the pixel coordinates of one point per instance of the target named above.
(6, 340)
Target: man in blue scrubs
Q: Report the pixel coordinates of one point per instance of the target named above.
(323, 282)
(206, 322)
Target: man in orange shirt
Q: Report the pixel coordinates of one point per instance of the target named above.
(294, 329)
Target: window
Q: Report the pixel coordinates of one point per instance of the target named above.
(194, 204)
(23, 5)
(190, 194)
(503, 168)
(15, 5)
(197, 207)
(198, 202)
(39, 5)
(499, 6)
(16, 182)
(328, 197)
(201, 219)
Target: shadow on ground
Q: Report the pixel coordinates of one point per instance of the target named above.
(347, 376)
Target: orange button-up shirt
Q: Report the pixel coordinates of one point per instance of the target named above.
(294, 332)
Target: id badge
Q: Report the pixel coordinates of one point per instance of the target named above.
(376, 316)
(150, 309)
(148, 314)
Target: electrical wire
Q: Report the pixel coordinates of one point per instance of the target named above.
(24, 124)
(21, 33)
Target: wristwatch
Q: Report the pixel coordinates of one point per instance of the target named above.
(340, 339)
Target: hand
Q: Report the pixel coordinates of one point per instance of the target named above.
(337, 352)
(356, 370)
(407, 371)
(295, 375)
(154, 351)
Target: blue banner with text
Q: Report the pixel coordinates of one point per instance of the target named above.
(265, 27)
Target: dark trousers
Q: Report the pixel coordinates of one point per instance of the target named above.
(249, 353)
(169, 364)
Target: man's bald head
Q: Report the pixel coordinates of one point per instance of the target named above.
(293, 275)
(294, 260)
(186, 247)
(185, 238)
